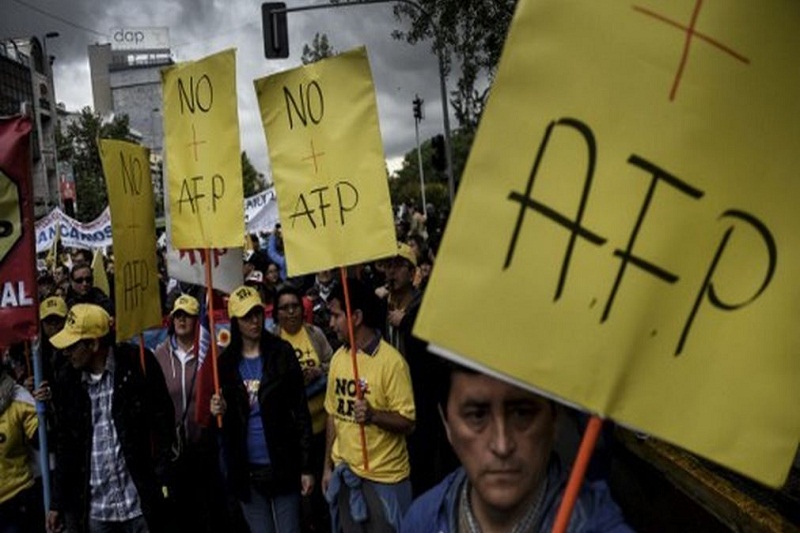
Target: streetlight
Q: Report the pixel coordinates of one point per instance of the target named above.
(50, 59)
(418, 116)
(51, 87)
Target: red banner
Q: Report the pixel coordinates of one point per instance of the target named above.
(18, 298)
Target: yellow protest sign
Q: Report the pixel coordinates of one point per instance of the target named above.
(133, 228)
(201, 128)
(321, 123)
(627, 222)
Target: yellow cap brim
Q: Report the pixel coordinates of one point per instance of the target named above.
(64, 339)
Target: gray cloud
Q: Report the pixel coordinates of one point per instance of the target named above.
(201, 27)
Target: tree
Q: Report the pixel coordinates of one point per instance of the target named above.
(319, 49)
(252, 181)
(79, 145)
(472, 33)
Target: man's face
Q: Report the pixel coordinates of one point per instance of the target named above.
(338, 321)
(183, 323)
(80, 353)
(399, 274)
(59, 275)
(52, 325)
(273, 274)
(82, 280)
(503, 436)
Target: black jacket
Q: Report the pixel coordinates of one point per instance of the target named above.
(94, 296)
(284, 412)
(143, 417)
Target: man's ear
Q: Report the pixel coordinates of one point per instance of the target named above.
(358, 318)
(94, 345)
(444, 422)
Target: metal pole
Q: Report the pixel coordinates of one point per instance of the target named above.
(419, 162)
(51, 87)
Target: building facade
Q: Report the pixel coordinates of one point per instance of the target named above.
(26, 85)
(126, 79)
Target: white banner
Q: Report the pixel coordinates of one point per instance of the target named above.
(74, 234)
(261, 211)
(189, 266)
(261, 214)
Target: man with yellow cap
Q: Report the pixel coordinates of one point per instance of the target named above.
(114, 431)
(52, 314)
(430, 455)
(198, 489)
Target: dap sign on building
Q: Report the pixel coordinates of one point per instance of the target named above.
(627, 222)
(321, 123)
(201, 125)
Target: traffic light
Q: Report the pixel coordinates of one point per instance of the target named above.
(417, 107)
(276, 35)
(438, 159)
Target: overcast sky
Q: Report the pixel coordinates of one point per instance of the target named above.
(201, 27)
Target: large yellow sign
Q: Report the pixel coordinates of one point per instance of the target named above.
(627, 223)
(201, 125)
(321, 123)
(133, 228)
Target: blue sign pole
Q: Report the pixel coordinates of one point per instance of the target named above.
(41, 408)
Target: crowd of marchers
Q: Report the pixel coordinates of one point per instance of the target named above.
(329, 415)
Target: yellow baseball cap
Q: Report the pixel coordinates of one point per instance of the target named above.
(84, 321)
(405, 251)
(242, 300)
(186, 303)
(53, 306)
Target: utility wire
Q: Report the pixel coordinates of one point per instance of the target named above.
(60, 19)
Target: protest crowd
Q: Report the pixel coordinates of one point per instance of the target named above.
(292, 441)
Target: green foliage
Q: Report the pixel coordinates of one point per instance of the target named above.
(252, 181)
(320, 49)
(404, 185)
(79, 145)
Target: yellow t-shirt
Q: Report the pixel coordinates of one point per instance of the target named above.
(308, 357)
(18, 425)
(388, 388)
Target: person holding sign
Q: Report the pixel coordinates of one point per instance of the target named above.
(198, 483)
(266, 427)
(372, 498)
(510, 479)
(114, 431)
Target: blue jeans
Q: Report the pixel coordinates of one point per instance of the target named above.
(361, 505)
(278, 514)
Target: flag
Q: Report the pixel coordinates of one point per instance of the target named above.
(204, 387)
(18, 298)
(52, 256)
(99, 272)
